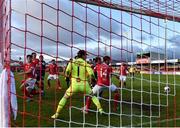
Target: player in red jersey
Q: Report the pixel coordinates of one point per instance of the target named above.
(103, 82)
(97, 65)
(123, 74)
(41, 70)
(35, 61)
(29, 83)
(53, 74)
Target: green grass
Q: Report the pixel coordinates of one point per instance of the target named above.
(48, 105)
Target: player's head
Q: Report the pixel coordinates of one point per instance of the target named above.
(41, 58)
(33, 55)
(90, 61)
(98, 60)
(82, 54)
(29, 58)
(123, 64)
(75, 57)
(106, 59)
(53, 61)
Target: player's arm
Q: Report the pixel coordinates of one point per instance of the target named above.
(116, 74)
(90, 71)
(69, 69)
(95, 72)
(26, 72)
(91, 74)
(113, 73)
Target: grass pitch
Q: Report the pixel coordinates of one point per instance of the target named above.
(143, 103)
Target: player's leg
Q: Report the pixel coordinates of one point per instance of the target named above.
(58, 82)
(124, 81)
(114, 89)
(67, 81)
(133, 76)
(121, 81)
(42, 85)
(69, 92)
(100, 93)
(37, 78)
(28, 94)
(23, 88)
(25, 91)
(28, 87)
(48, 81)
(87, 89)
(33, 87)
(95, 90)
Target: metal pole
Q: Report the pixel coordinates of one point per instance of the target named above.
(1, 31)
(165, 46)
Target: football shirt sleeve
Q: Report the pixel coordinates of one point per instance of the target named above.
(90, 71)
(68, 69)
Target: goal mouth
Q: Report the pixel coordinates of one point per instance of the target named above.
(136, 86)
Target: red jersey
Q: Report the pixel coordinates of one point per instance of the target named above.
(123, 70)
(52, 69)
(35, 62)
(27, 67)
(97, 67)
(103, 74)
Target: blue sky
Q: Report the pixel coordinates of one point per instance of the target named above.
(120, 38)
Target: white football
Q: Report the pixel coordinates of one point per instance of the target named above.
(167, 89)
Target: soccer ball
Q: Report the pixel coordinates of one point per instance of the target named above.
(166, 89)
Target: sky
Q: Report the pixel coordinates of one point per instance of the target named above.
(125, 41)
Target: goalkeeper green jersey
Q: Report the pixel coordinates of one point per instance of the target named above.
(79, 70)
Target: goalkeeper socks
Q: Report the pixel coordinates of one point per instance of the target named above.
(96, 102)
(116, 98)
(61, 104)
(88, 103)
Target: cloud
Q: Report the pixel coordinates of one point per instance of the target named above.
(72, 31)
(66, 36)
(144, 37)
(175, 41)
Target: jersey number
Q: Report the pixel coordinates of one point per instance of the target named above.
(103, 74)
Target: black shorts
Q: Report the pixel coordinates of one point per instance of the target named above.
(38, 77)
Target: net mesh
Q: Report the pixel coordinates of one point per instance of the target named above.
(141, 33)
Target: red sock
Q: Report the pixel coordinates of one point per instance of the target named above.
(88, 103)
(116, 99)
(34, 92)
(26, 92)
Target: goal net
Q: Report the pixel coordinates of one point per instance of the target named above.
(143, 35)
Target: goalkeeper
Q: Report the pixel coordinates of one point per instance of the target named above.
(80, 71)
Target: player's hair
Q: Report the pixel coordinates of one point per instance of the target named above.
(81, 53)
(97, 59)
(123, 63)
(53, 60)
(75, 57)
(29, 56)
(106, 58)
(33, 53)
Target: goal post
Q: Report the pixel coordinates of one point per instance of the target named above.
(139, 10)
